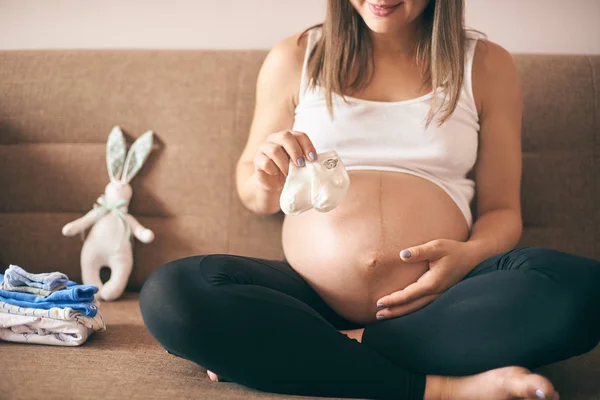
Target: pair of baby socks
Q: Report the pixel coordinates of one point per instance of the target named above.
(321, 184)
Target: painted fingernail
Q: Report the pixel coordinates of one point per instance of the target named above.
(380, 305)
(405, 254)
(380, 317)
(312, 156)
(300, 161)
(540, 394)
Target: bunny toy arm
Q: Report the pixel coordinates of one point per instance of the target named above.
(143, 234)
(81, 224)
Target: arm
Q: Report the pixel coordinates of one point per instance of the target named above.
(83, 223)
(276, 97)
(498, 95)
(143, 234)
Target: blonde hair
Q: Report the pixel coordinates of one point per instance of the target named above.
(342, 60)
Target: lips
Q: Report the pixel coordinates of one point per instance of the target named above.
(383, 10)
(385, 6)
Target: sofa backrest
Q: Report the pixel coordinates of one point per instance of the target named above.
(58, 107)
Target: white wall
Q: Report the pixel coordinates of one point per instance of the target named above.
(535, 26)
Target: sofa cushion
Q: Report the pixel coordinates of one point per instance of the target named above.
(56, 111)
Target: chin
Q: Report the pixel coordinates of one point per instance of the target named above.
(383, 27)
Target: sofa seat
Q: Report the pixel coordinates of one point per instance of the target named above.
(125, 362)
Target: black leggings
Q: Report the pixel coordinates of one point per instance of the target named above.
(258, 323)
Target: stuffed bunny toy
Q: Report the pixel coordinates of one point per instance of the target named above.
(108, 242)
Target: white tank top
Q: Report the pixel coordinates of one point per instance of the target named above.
(391, 136)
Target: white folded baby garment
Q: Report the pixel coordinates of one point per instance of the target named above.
(66, 314)
(42, 330)
(322, 184)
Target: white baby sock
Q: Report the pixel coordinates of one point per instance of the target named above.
(330, 181)
(295, 196)
(321, 184)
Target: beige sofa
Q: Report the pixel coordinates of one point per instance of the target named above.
(56, 110)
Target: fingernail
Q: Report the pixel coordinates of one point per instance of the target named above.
(301, 161)
(312, 156)
(540, 394)
(380, 317)
(405, 254)
(380, 305)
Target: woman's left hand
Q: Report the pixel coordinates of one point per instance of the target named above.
(449, 262)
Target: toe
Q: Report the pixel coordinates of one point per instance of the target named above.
(213, 377)
(535, 387)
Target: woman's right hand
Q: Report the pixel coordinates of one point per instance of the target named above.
(271, 162)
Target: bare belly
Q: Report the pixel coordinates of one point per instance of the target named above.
(350, 255)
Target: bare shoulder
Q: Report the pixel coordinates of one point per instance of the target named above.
(282, 68)
(494, 69)
(491, 58)
(290, 51)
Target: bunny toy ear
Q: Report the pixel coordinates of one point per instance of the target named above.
(115, 153)
(137, 156)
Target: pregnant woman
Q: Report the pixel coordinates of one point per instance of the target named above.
(398, 292)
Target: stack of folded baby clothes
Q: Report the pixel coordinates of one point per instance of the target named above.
(47, 309)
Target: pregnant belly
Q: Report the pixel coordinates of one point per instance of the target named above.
(350, 255)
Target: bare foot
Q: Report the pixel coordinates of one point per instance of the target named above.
(498, 384)
(356, 334)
